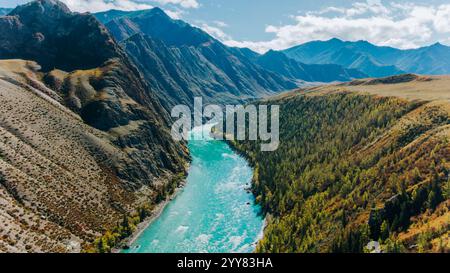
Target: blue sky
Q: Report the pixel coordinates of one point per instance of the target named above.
(270, 24)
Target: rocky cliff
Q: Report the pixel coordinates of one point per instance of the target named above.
(84, 138)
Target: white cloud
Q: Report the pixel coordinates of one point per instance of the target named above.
(404, 33)
(174, 14)
(403, 26)
(442, 19)
(184, 3)
(357, 9)
(128, 5)
(103, 5)
(220, 24)
(216, 32)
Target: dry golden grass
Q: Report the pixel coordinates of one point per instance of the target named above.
(423, 88)
(437, 222)
(56, 188)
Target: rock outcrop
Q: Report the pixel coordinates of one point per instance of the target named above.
(84, 139)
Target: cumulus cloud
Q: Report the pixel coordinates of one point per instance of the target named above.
(358, 8)
(184, 3)
(216, 32)
(214, 29)
(102, 5)
(220, 24)
(442, 19)
(128, 5)
(403, 26)
(174, 14)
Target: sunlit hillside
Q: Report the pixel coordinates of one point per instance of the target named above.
(358, 162)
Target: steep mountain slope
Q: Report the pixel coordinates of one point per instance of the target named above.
(244, 73)
(55, 189)
(4, 11)
(363, 161)
(85, 140)
(278, 62)
(374, 60)
(433, 60)
(190, 62)
(50, 34)
(107, 16)
(181, 74)
(157, 24)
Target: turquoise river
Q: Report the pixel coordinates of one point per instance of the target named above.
(214, 212)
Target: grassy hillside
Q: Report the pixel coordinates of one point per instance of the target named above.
(63, 182)
(84, 141)
(355, 166)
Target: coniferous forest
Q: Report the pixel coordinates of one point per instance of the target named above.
(350, 170)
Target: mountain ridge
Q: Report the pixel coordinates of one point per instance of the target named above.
(33, 32)
(206, 67)
(278, 62)
(376, 61)
(245, 74)
(98, 135)
(5, 11)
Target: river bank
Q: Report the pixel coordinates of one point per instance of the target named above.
(141, 227)
(215, 212)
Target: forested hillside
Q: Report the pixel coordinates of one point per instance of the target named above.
(353, 167)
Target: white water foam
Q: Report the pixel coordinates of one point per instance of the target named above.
(182, 229)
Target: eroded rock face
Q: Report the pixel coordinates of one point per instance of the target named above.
(83, 139)
(51, 168)
(9, 27)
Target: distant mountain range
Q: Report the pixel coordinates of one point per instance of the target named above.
(375, 61)
(278, 62)
(316, 61)
(182, 61)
